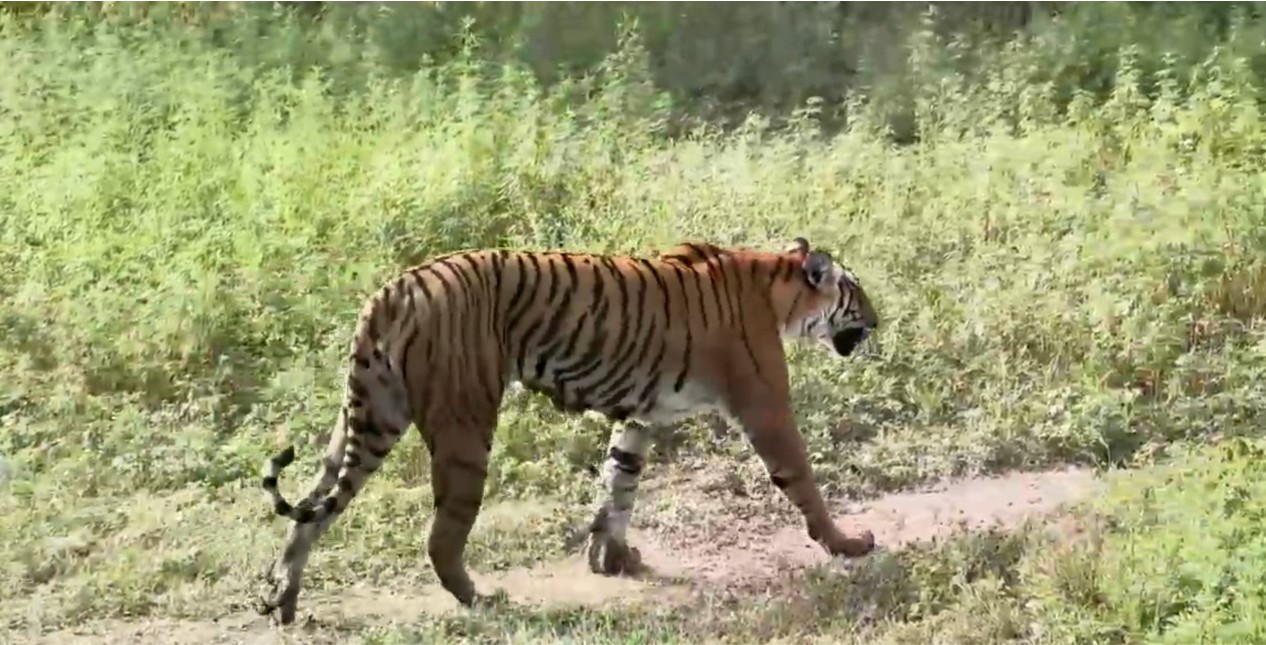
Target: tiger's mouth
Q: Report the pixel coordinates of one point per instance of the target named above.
(846, 341)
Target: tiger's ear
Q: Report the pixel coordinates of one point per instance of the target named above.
(816, 266)
(799, 245)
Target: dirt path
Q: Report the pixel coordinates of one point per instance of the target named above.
(700, 534)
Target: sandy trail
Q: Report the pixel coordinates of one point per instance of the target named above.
(695, 535)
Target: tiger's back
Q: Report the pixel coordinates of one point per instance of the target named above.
(611, 334)
(638, 339)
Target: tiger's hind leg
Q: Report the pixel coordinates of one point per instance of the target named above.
(285, 574)
(331, 462)
(608, 550)
(459, 468)
(365, 455)
(373, 421)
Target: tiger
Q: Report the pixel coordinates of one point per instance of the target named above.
(644, 341)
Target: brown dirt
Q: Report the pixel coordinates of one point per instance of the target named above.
(698, 528)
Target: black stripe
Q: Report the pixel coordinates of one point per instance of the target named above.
(462, 271)
(522, 296)
(698, 250)
(412, 317)
(463, 463)
(630, 462)
(622, 367)
(485, 304)
(685, 363)
(357, 388)
(450, 310)
(433, 327)
(379, 453)
(737, 293)
(489, 272)
(616, 397)
(371, 330)
(594, 357)
(791, 311)
(460, 511)
(663, 287)
(718, 284)
(454, 343)
(414, 332)
(647, 397)
(599, 325)
(359, 426)
(420, 280)
(493, 279)
(696, 280)
(733, 284)
(622, 286)
(529, 337)
(351, 453)
(283, 458)
(560, 312)
(565, 348)
(470, 295)
(788, 269)
(386, 302)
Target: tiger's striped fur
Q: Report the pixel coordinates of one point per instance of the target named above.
(644, 340)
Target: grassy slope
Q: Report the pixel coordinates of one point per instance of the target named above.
(184, 242)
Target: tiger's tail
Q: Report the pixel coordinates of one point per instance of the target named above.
(374, 415)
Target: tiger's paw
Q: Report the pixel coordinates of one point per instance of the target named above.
(498, 599)
(576, 537)
(280, 604)
(852, 547)
(611, 557)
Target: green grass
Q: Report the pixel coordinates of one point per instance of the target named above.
(1169, 555)
(186, 236)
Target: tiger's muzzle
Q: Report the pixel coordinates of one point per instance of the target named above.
(846, 341)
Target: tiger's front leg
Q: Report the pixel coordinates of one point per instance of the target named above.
(767, 421)
(609, 552)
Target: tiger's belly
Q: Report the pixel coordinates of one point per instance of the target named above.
(671, 407)
(662, 406)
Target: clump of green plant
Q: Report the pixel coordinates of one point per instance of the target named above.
(1176, 561)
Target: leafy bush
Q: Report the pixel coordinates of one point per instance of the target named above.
(1178, 562)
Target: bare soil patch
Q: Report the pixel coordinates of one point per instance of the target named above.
(694, 529)
(762, 546)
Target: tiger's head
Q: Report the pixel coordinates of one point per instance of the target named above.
(828, 305)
